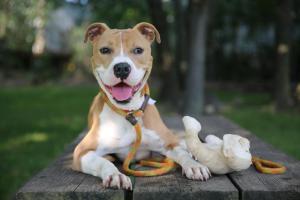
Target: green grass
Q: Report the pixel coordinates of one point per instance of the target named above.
(255, 112)
(35, 126)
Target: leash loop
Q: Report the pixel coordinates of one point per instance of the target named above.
(267, 166)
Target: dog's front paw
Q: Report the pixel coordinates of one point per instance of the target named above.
(196, 171)
(117, 180)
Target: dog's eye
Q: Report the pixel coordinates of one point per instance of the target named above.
(138, 50)
(105, 50)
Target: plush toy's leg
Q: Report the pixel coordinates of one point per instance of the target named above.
(213, 140)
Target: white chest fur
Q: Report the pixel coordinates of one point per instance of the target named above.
(116, 134)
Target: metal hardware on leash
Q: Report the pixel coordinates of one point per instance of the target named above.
(132, 119)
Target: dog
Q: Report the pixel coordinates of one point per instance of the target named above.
(121, 63)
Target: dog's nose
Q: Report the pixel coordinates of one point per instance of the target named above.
(122, 70)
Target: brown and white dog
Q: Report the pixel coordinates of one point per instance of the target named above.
(122, 62)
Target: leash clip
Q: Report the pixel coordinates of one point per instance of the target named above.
(131, 118)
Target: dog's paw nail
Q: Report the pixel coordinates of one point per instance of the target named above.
(118, 180)
(197, 172)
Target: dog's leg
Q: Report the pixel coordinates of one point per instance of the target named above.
(98, 166)
(191, 168)
(173, 148)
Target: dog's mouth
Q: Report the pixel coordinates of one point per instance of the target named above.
(123, 92)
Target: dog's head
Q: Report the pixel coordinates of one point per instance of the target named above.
(122, 59)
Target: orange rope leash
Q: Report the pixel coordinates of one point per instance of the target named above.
(267, 166)
(163, 166)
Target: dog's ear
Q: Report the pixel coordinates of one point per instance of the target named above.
(149, 31)
(94, 30)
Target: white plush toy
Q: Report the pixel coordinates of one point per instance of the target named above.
(220, 156)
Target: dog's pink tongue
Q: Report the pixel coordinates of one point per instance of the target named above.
(121, 93)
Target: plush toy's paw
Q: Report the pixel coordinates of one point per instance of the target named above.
(196, 171)
(191, 124)
(117, 180)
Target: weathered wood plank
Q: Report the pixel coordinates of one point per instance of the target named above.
(251, 184)
(60, 182)
(176, 186)
(91, 188)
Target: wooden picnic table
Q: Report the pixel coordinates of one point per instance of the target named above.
(60, 182)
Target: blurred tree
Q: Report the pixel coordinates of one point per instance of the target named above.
(181, 42)
(283, 36)
(118, 14)
(3, 17)
(39, 22)
(18, 23)
(164, 59)
(194, 96)
(242, 38)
